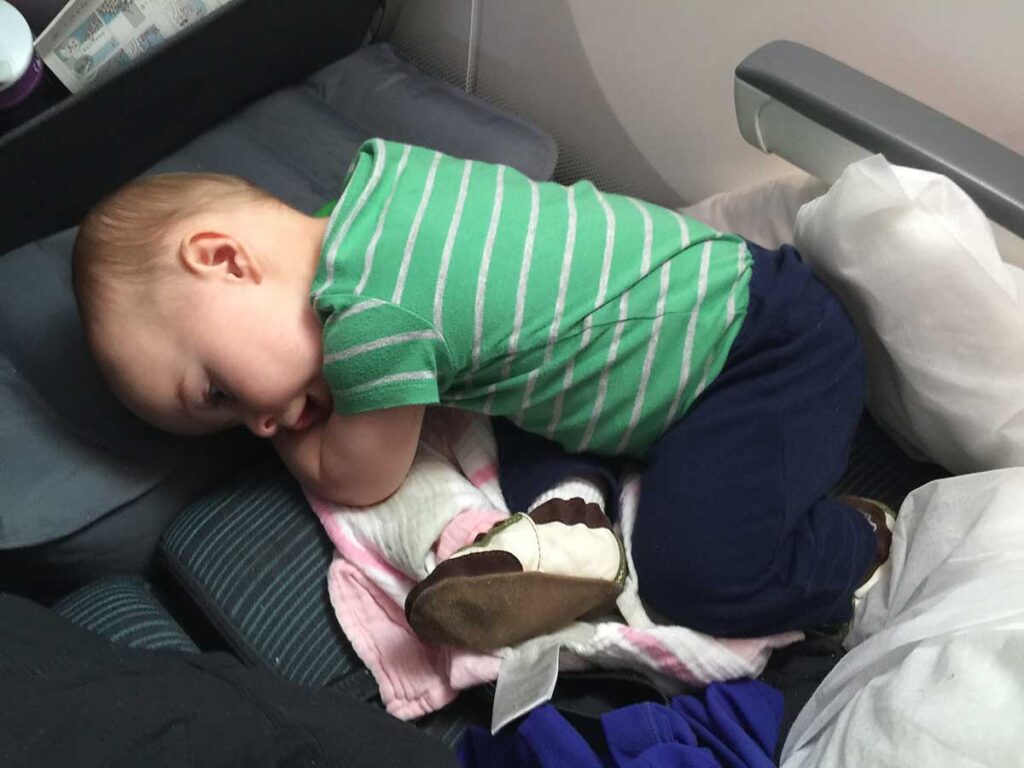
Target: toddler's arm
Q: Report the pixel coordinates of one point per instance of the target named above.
(356, 460)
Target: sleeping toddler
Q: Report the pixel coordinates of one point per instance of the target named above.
(593, 327)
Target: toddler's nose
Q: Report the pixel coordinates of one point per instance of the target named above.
(262, 425)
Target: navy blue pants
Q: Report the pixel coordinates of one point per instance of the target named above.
(735, 534)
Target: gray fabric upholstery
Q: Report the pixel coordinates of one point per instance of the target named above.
(253, 557)
(879, 469)
(380, 94)
(297, 143)
(124, 610)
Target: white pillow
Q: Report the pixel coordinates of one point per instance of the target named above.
(940, 314)
(764, 213)
(935, 672)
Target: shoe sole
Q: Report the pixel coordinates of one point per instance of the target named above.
(497, 610)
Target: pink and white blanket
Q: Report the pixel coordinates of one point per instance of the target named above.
(451, 495)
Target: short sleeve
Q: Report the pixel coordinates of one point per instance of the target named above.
(379, 355)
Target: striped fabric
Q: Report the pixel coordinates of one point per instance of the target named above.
(124, 610)
(254, 557)
(591, 318)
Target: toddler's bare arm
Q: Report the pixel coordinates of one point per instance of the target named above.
(356, 460)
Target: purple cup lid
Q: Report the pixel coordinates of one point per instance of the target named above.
(18, 91)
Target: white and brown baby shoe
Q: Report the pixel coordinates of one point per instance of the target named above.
(882, 520)
(531, 574)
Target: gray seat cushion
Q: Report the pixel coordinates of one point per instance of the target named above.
(125, 611)
(69, 454)
(297, 143)
(879, 469)
(253, 557)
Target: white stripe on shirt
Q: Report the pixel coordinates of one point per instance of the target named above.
(524, 275)
(588, 322)
(371, 249)
(563, 278)
(384, 341)
(691, 330)
(556, 412)
(449, 243)
(703, 383)
(410, 245)
(730, 315)
(684, 232)
(332, 255)
(652, 344)
(556, 323)
(645, 259)
(485, 265)
(606, 265)
(355, 309)
(384, 380)
(730, 307)
(602, 389)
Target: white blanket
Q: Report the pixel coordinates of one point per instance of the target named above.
(940, 313)
(451, 494)
(935, 676)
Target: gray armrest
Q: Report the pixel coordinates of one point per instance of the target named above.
(820, 114)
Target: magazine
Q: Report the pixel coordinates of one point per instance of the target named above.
(90, 40)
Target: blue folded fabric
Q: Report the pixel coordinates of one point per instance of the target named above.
(728, 725)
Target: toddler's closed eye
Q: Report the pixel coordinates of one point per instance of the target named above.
(215, 396)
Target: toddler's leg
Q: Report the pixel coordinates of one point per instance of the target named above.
(531, 467)
(733, 535)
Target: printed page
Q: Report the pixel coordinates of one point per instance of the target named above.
(90, 40)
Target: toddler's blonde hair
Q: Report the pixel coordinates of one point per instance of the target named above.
(123, 240)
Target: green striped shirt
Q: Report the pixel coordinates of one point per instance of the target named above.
(590, 318)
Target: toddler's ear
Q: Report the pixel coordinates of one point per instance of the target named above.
(214, 254)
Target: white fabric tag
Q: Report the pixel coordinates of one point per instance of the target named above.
(526, 679)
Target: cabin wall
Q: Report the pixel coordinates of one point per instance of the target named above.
(639, 94)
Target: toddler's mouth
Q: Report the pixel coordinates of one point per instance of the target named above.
(311, 414)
